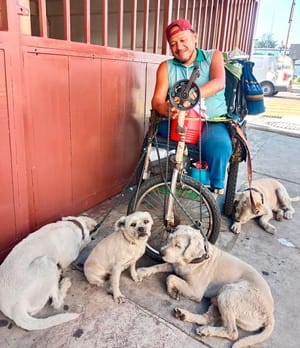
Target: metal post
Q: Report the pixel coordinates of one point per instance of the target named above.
(290, 23)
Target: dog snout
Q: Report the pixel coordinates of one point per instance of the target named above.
(142, 231)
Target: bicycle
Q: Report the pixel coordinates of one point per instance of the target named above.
(174, 198)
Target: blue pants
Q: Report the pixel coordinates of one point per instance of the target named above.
(216, 150)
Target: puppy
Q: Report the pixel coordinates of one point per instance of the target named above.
(269, 196)
(31, 273)
(239, 295)
(117, 252)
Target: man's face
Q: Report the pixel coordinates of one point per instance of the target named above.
(183, 45)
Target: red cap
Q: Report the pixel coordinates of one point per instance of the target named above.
(177, 26)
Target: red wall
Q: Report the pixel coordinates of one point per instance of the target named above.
(84, 111)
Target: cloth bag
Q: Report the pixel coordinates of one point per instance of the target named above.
(253, 90)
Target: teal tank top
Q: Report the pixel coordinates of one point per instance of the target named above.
(215, 104)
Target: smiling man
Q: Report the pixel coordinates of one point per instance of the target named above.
(216, 147)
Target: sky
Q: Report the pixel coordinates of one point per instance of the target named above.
(273, 17)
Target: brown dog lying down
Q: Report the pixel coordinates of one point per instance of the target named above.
(239, 295)
(270, 198)
(118, 251)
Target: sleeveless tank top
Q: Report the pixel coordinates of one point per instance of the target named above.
(215, 105)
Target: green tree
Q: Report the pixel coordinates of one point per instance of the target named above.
(266, 41)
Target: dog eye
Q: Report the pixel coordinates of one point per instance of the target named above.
(177, 245)
(133, 224)
(146, 222)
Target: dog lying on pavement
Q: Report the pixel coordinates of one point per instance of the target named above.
(239, 295)
(117, 252)
(31, 273)
(270, 197)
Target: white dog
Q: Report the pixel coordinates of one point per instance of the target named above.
(239, 294)
(30, 274)
(118, 251)
(269, 197)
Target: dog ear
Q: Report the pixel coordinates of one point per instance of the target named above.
(193, 249)
(90, 222)
(246, 202)
(150, 218)
(120, 223)
(66, 218)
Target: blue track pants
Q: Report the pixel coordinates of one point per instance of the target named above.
(216, 150)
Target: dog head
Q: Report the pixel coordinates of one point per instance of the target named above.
(243, 209)
(86, 224)
(135, 227)
(186, 245)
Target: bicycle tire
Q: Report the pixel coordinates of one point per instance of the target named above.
(152, 196)
(231, 188)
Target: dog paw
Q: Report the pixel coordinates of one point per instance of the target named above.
(119, 299)
(270, 229)
(142, 273)
(202, 331)
(179, 314)
(174, 293)
(288, 215)
(236, 228)
(279, 215)
(135, 278)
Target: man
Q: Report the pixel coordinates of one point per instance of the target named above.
(216, 147)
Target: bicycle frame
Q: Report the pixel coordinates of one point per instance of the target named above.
(181, 148)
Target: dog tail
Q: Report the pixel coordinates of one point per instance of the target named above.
(295, 199)
(27, 322)
(256, 338)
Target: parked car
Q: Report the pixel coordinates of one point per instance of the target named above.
(297, 68)
(275, 73)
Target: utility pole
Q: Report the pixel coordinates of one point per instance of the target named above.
(290, 23)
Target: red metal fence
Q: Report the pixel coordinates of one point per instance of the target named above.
(138, 25)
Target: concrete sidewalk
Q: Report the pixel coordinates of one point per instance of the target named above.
(146, 319)
(282, 115)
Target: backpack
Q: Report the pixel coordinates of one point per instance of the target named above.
(253, 90)
(243, 93)
(234, 90)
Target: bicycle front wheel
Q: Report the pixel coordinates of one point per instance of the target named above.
(194, 205)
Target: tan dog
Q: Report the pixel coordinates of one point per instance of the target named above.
(31, 274)
(270, 197)
(117, 252)
(239, 294)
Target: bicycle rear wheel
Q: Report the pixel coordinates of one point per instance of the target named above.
(194, 205)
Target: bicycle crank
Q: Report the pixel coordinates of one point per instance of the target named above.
(185, 94)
